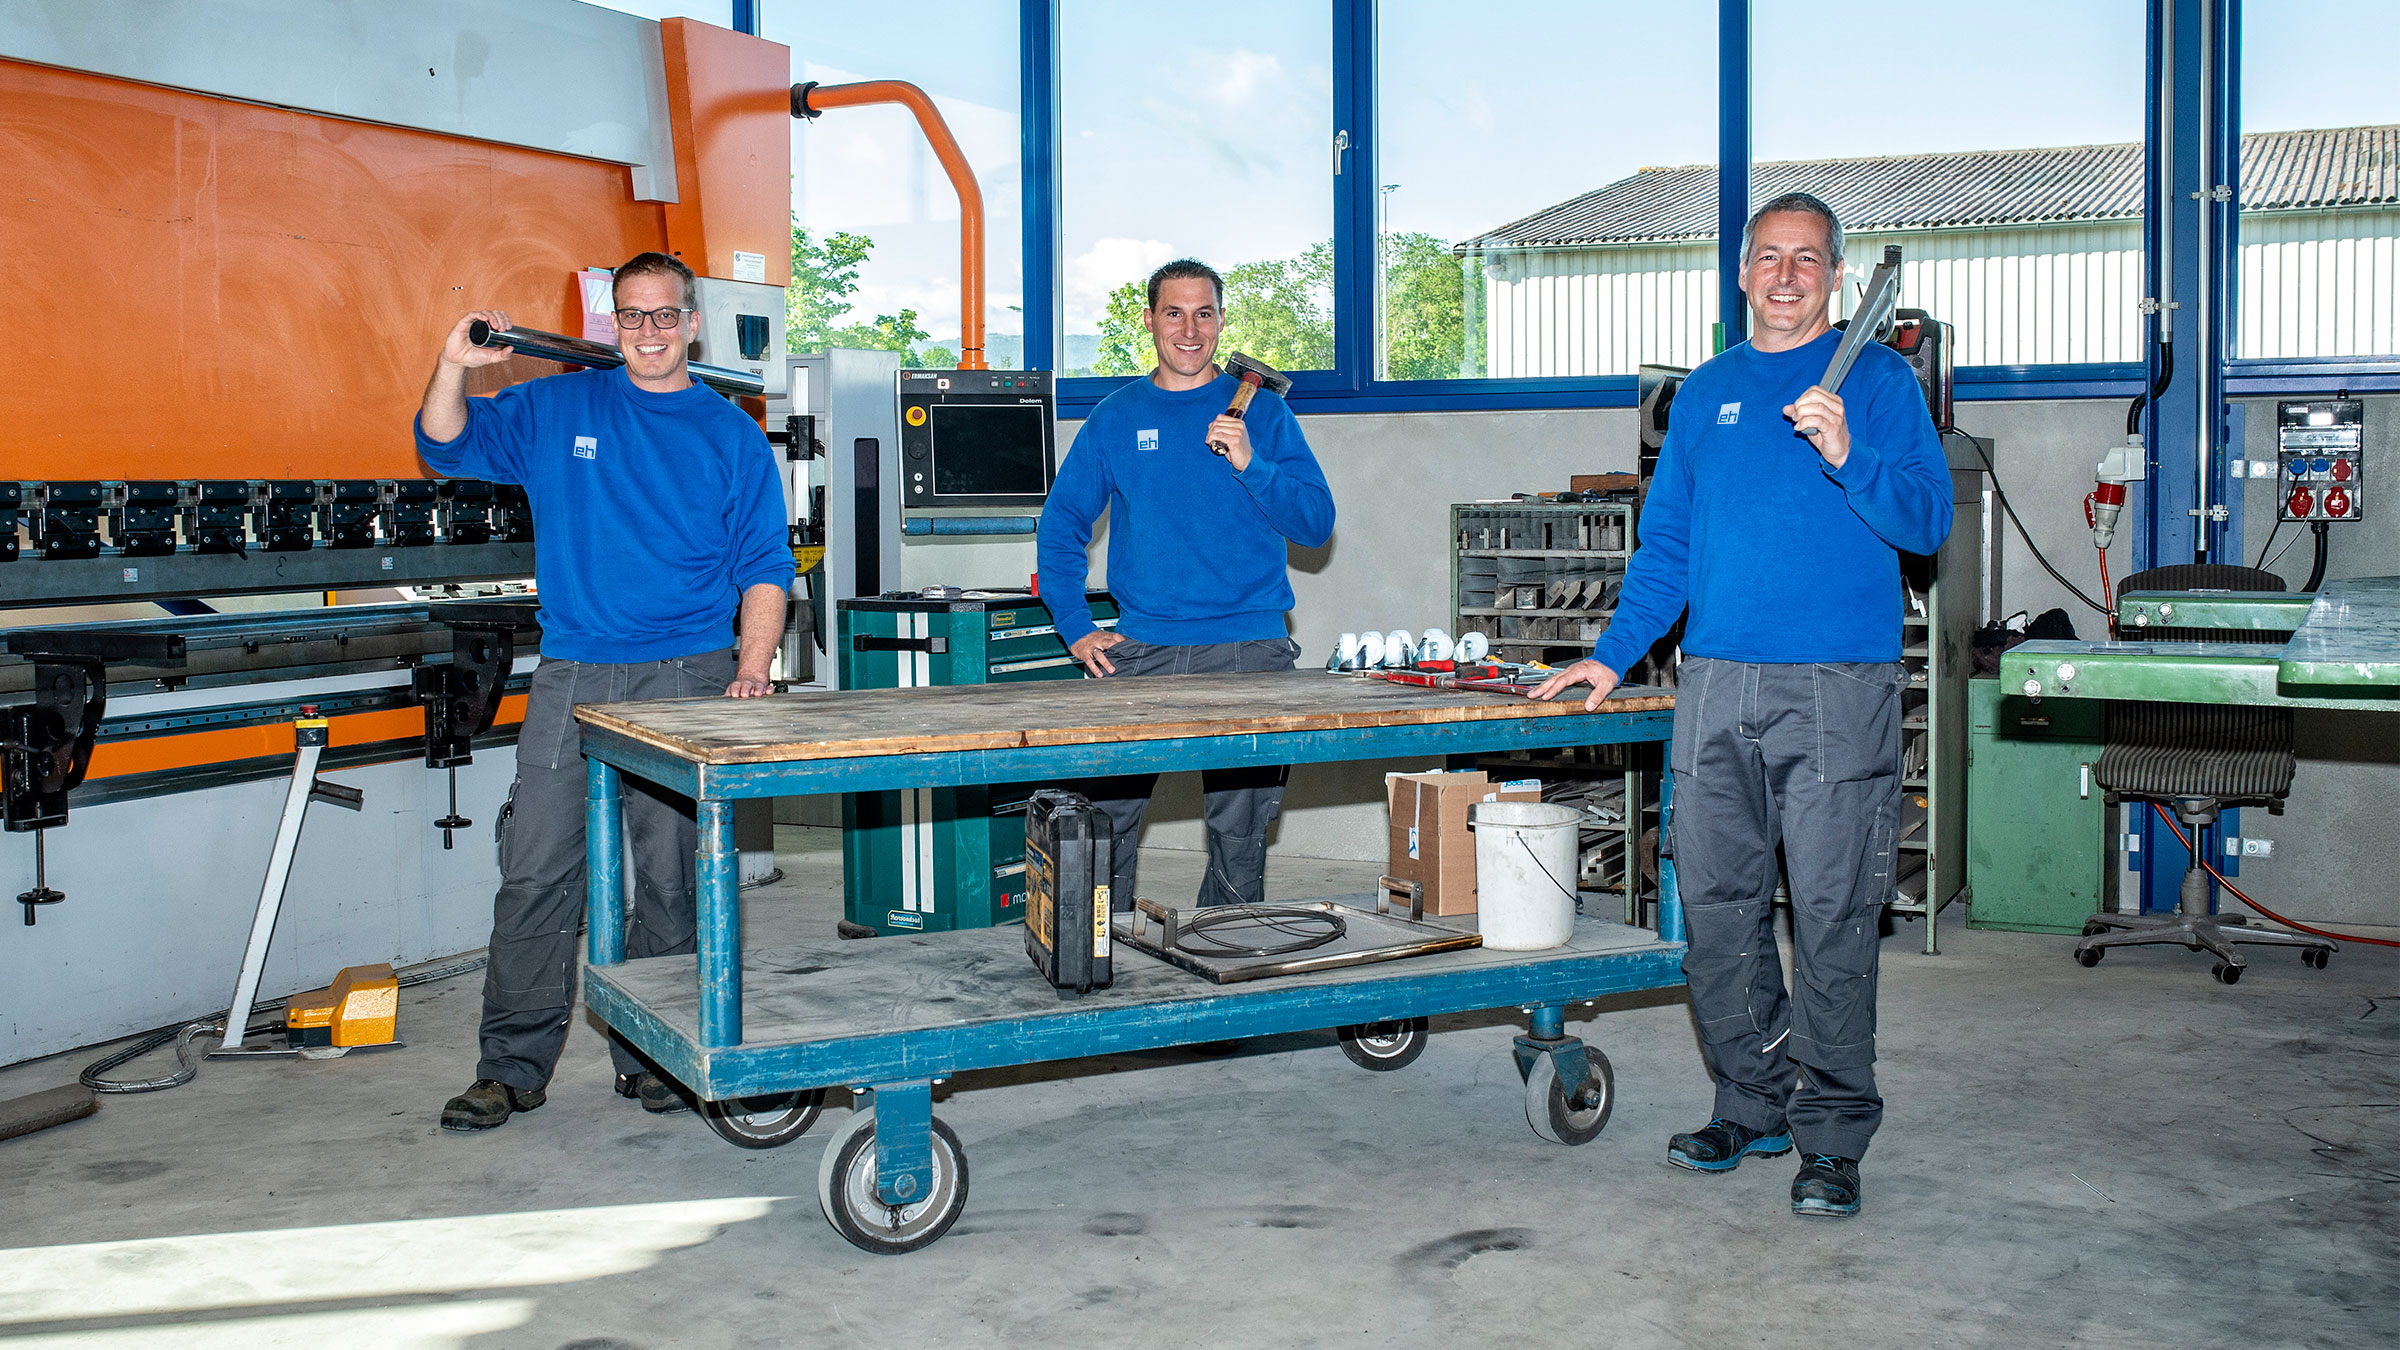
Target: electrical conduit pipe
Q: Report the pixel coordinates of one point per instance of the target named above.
(810, 99)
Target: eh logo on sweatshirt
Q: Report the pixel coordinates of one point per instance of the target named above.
(587, 447)
(1146, 440)
(1728, 414)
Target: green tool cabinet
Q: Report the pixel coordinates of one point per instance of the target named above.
(940, 858)
(2036, 826)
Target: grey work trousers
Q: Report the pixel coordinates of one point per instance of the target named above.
(1808, 755)
(529, 985)
(1238, 805)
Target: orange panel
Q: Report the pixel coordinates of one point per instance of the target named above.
(237, 291)
(153, 754)
(729, 96)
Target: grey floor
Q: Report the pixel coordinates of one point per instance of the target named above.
(2128, 1156)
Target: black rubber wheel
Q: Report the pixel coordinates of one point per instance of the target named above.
(1385, 1046)
(846, 1192)
(770, 1121)
(2094, 928)
(1570, 1118)
(2088, 957)
(2228, 973)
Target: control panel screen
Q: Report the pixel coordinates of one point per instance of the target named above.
(990, 451)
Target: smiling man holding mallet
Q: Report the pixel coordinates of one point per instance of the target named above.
(1206, 481)
(1778, 515)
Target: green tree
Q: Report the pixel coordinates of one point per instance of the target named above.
(1281, 311)
(1425, 289)
(824, 277)
(1125, 347)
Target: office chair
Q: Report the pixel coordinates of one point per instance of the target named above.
(2195, 759)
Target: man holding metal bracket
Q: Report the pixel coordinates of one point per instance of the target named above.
(1784, 496)
(657, 510)
(1206, 482)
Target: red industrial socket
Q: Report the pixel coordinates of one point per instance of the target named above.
(2337, 503)
(2303, 503)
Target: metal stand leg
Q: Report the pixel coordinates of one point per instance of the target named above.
(720, 922)
(604, 866)
(270, 895)
(903, 1141)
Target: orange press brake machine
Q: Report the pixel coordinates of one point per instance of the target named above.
(237, 243)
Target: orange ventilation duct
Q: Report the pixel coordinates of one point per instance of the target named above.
(810, 99)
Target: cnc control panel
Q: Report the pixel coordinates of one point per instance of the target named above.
(2320, 448)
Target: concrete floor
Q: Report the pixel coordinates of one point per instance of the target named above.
(2129, 1156)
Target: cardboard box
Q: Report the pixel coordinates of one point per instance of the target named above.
(1430, 839)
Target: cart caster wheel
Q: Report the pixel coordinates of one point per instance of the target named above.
(2227, 972)
(1384, 1046)
(2088, 957)
(846, 1192)
(2094, 928)
(2315, 957)
(770, 1121)
(1564, 1118)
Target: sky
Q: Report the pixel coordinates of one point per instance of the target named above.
(1214, 139)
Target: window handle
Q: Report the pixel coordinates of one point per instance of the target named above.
(1341, 142)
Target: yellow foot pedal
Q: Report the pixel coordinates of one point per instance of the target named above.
(360, 1010)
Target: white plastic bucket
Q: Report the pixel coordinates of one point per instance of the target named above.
(1525, 855)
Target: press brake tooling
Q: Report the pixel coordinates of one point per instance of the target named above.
(1871, 322)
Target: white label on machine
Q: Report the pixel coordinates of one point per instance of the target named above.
(751, 267)
(1100, 923)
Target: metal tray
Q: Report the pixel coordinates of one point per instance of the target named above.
(1371, 937)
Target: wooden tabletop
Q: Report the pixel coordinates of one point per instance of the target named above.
(875, 722)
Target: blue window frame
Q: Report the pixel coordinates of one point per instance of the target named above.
(1351, 385)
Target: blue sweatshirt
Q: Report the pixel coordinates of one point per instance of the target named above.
(1781, 559)
(652, 512)
(1195, 550)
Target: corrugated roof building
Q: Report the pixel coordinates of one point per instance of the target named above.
(2033, 255)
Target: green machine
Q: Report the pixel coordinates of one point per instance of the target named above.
(2036, 822)
(933, 859)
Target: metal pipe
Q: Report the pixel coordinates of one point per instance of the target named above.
(810, 99)
(575, 351)
(604, 864)
(720, 924)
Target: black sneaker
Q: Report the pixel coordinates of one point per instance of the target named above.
(658, 1095)
(1827, 1187)
(1722, 1144)
(487, 1104)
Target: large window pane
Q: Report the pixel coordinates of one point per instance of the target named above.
(1529, 222)
(1197, 133)
(875, 261)
(2320, 183)
(718, 12)
(1999, 147)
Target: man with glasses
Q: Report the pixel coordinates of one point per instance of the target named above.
(1201, 505)
(1778, 515)
(657, 512)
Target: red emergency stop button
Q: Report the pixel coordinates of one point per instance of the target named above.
(2341, 471)
(2303, 503)
(2337, 503)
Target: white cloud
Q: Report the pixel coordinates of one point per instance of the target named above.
(1245, 73)
(1479, 108)
(1108, 264)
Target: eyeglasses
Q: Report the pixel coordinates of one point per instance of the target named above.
(631, 320)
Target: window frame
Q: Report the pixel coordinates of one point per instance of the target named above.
(1351, 385)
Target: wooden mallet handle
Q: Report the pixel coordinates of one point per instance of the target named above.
(1240, 407)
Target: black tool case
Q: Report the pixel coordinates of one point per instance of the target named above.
(1068, 847)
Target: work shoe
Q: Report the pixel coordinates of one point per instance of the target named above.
(488, 1104)
(658, 1095)
(1721, 1146)
(1827, 1187)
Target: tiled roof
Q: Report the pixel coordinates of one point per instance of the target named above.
(2344, 166)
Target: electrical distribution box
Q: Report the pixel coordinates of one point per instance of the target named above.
(2320, 444)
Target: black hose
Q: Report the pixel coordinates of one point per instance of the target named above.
(2031, 546)
(2166, 375)
(2316, 574)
